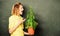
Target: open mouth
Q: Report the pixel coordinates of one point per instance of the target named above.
(21, 11)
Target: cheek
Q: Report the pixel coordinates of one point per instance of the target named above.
(19, 9)
(22, 8)
(20, 12)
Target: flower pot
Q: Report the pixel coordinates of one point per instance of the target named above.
(31, 30)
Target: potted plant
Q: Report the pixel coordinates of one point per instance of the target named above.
(30, 23)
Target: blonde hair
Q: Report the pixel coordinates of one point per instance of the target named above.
(15, 8)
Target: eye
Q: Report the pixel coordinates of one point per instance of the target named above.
(21, 7)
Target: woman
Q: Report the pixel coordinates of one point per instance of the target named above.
(16, 21)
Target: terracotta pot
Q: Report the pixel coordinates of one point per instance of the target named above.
(31, 30)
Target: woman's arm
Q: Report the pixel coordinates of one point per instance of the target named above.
(26, 33)
(14, 28)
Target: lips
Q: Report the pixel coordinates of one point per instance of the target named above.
(22, 11)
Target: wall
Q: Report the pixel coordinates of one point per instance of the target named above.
(47, 14)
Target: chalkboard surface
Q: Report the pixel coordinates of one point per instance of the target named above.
(47, 14)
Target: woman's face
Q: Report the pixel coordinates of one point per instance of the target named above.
(21, 10)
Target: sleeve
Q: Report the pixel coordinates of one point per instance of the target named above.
(13, 22)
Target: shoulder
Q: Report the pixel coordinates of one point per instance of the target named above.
(13, 17)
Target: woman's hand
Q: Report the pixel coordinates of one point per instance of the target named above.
(26, 33)
(21, 21)
(24, 20)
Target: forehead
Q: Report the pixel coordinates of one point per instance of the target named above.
(21, 6)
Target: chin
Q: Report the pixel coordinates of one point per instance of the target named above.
(20, 14)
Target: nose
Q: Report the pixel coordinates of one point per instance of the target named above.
(23, 8)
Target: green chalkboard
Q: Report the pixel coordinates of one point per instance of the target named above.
(47, 15)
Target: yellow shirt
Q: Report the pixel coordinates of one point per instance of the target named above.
(13, 21)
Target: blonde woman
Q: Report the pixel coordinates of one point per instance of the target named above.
(16, 21)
